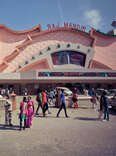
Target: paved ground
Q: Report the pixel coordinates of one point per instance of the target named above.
(80, 135)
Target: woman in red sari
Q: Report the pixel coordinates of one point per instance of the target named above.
(30, 107)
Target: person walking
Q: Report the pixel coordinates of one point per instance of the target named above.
(39, 101)
(47, 95)
(100, 107)
(62, 106)
(75, 100)
(30, 108)
(51, 97)
(94, 100)
(23, 113)
(8, 112)
(58, 98)
(105, 106)
(44, 102)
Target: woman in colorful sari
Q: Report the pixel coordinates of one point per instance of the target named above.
(23, 113)
(30, 107)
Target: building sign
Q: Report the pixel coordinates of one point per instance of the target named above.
(67, 25)
(76, 74)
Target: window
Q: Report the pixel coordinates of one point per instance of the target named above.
(68, 57)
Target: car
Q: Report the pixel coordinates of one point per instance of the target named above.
(1, 96)
(112, 102)
(67, 91)
(112, 92)
(99, 91)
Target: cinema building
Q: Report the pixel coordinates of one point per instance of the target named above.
(57, 56)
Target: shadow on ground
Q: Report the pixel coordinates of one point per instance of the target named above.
(84, 107)
(5, 127)
(86, 118)
(48, 116)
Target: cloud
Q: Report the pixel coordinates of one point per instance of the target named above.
(93, 18)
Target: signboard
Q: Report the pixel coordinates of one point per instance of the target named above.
(67, 25)
(76, 74)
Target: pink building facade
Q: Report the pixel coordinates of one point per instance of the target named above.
(75, 56)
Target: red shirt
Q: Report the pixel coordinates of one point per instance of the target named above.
(44, 98)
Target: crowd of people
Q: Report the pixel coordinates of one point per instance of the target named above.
(4, 92)
(101, 101)
(44, 99)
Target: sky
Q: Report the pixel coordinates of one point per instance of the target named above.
(25, 14)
